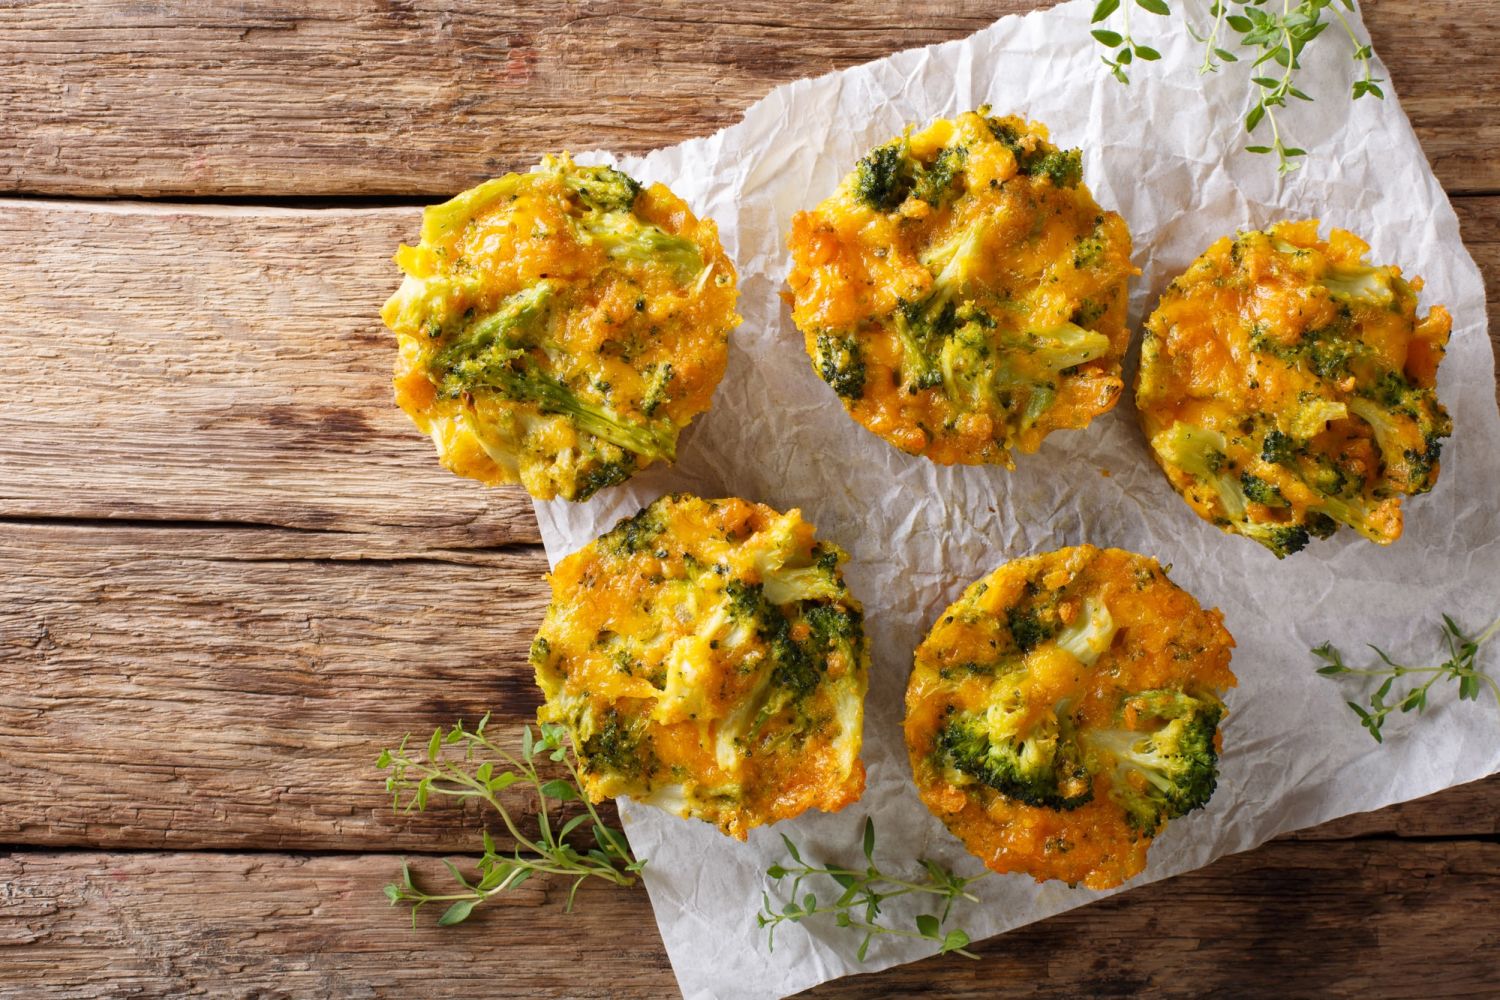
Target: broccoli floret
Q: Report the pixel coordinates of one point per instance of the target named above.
(1200, 453)
(1029, 627)
(624, 237)
(936, 182)
(639, 532)
(1278, 449)
(498, 335)
(1038, 768)
(917, 328)
(1313, 415)
(835, 629)
(618, 747)
(1164, 772)
(1409, 426)
(520, 380)
(495, 354)
(1366, 285)
(841, 364)
(603, 189)
(604, 475)
(1257, 490)
(656, 390)
(793, 670)
(883, 177)
(1064, 346)
(1063, 167)
(1089, 636)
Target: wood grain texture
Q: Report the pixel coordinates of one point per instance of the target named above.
(185, 687)
(421, 97)
(1273, 922)
(218, 364)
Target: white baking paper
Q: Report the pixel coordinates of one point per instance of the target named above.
(1166, 153)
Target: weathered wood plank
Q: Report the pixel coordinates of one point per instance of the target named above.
(228, 364)
(365, 98)
(218, 364)
(1276, 920)
(189, 688)
(182, 687)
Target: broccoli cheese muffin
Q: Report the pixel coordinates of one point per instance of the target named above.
(1064, 709)
(963, 293)
(1287, 388)
(559, 328)
(708, 659)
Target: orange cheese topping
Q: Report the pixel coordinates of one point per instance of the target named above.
(971, 662)
(1287, 347)
(629, 300)
(707, 658)
(932, 286)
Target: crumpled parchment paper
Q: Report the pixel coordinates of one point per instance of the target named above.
(1166, 153)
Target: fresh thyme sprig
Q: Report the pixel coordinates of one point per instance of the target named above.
(858, 906)
(1460, 666)
(466, 764)
(1273, 37)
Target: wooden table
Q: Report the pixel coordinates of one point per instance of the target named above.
(230, 572)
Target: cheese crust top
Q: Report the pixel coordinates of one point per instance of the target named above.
(708, 659)
(1033, 688)
(962, 291)
(1287, 388)
(559, 328)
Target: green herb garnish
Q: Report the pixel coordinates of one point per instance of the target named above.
(864, 890)
(465, 764)
(1275, 33)
(1460, 666)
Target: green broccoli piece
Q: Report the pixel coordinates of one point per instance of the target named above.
(1063, 167)
(1365, 285)
(841, 364)
(1038, 768)
(501, 334)
(1200, 453)
(937, 181)
(1257, 490)
(619, 746)
(520, 380)
(1409, 425)
(604, 189)
(1089, 636)
(793, 670)
(1278, 448)
(605, 474)
(1029, 626)
(656, 389)
(883, 176)
(638, 532)
(1166, 772)
(626, 238)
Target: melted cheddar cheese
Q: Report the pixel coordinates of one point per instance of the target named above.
(708, 659)
(1287, 388)
(559, 328)
(1058, 647)
(962, 291)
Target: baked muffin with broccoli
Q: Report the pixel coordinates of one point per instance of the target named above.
(962, 292)
(1065, 709)
(1288, 388)
(708, 659)
(559, 328)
